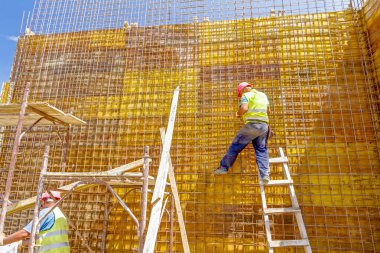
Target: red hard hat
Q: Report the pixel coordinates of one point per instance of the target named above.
(55, 194)
(241, 87)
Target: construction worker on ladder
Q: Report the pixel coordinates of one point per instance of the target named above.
(53, 233)
(253, 108)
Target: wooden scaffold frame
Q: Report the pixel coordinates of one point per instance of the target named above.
(121, 176)
(30, 114)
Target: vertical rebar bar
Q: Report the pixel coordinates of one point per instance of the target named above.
(12, 164)
(40, 189)
(144, 198)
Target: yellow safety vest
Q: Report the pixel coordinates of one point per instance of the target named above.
(257, 107)
(56, 239)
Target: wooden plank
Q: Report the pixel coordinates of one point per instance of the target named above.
(288, 243)
(52, 113)
(29, 119)
(57, 113)
(163, 167)
(173, 185)
(161, 180)
(120, 183)
(92, 174)
(34, 111)
(48, 109)
(9, 108)
(28, 203)
(127, 167)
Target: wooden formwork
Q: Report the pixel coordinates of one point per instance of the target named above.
(314, 69)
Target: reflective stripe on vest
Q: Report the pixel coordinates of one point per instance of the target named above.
(57, 246)
(257, 106)
(257, 110)
(264, 119)
(54, 233)
(54, 240)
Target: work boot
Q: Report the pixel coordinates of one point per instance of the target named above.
(265, 179)
(220, 171)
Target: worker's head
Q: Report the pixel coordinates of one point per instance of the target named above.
(47, 199)
(243, 88)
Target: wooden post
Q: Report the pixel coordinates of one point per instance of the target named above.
(161, 180)
(12, 164)
(40, 189)
(173, 185)
(171, 223)
(144, 198)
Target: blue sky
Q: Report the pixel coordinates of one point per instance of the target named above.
(10, 22)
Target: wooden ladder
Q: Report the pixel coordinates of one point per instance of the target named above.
(304, 242)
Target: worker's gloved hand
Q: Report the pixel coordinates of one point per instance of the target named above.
(237, 115)
(2, 236)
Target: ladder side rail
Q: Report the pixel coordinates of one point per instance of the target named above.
(301, 226)
(285, 165)
(295, 204)
(266, 217)
(292, 192)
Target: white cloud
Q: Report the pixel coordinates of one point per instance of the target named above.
(9, 37)
(12, 38)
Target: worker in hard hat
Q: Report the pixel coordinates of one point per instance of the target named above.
(253, 109)
(53, 232)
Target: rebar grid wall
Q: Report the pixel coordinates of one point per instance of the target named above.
(310, 57)
(371, 13)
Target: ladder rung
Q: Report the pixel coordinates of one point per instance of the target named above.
(280, 182)
(283, 159)
(286, 243)
(281, 210)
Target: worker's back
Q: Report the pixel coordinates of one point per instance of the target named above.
(257, 106)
